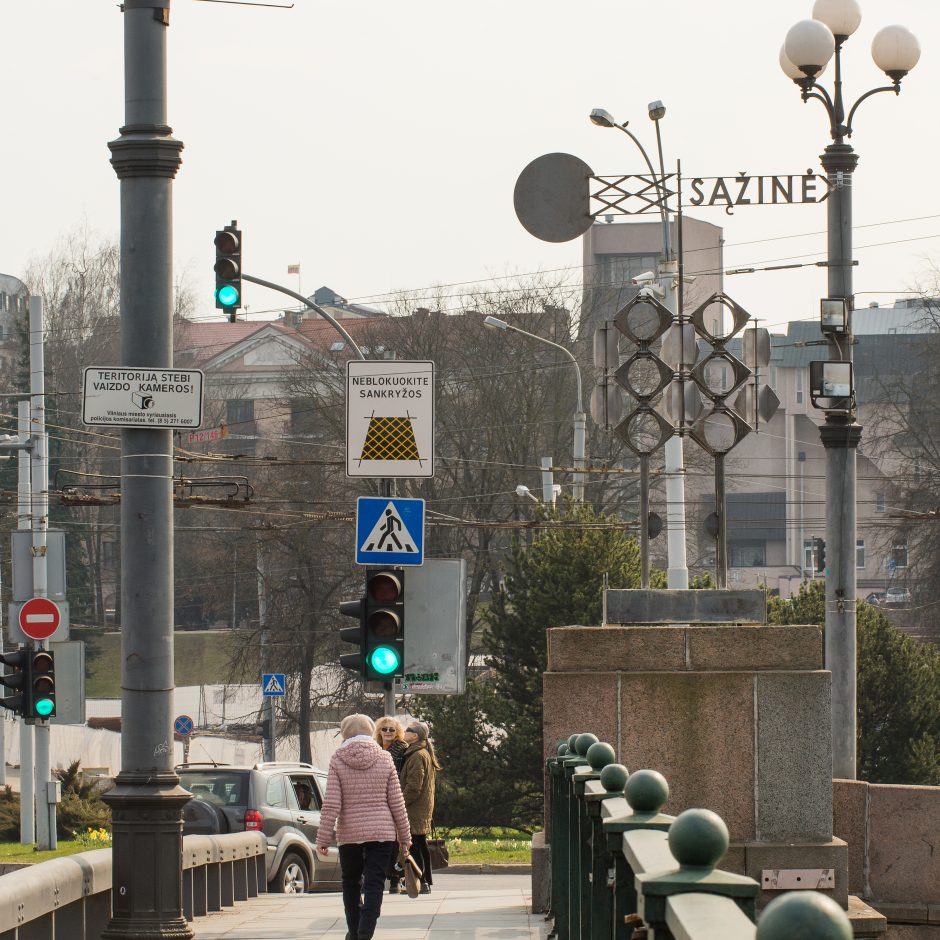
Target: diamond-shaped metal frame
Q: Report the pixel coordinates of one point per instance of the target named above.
(666, 429)
(741, 430)
(740, 373)
(666, 375)
(739, 318)
(663, 313)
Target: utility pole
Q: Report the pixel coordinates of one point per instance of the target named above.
(27, 750)
(147, 800)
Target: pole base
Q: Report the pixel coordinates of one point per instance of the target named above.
(147, 874)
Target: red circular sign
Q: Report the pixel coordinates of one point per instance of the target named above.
(39, 618)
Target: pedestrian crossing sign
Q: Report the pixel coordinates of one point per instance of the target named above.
(389, 531)
(272, 683)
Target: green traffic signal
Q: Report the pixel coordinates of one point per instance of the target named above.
(384, 660)
(227, 295)
(228, 269)
(44, 707)
(42, 685)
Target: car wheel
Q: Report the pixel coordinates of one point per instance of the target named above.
(292, 877)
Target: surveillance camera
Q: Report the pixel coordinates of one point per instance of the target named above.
(647, 277)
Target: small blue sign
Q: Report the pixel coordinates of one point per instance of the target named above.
(183, 725)
(272, 683)
(389, 531)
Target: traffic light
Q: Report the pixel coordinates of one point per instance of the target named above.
(821, 554)
(41, 698)
(18, 661)
(228, 269)
(357, 635)
(384, 619)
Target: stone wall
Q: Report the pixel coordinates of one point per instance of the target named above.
(893, 834)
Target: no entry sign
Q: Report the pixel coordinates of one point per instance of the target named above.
(39, 618)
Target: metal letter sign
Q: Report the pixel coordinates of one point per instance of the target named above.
(389, 531)
(273, 684)
(389, 418)
(142, 398)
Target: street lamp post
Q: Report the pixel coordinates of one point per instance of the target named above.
(808, 47)
(677, 574)
(579, 416)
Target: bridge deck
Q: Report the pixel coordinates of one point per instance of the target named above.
(462, 907)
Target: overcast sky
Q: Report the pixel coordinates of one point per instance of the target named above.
(377, 144)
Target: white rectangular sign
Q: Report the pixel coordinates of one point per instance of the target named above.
(142, 398)
(389, 418)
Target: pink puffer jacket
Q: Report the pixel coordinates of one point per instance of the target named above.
(363, 798)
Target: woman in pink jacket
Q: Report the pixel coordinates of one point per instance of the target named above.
(364, 805)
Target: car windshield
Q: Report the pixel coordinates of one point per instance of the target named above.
(221, 787)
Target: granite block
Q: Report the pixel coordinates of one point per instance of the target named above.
(903, 912)
(541, 874)
(734, 648)
(867, 923)
(849, 823)
(627, 649)
(579, 702)
(794, 757)
(904, 843)
(763, 856)
(911, 932)
(696, 729)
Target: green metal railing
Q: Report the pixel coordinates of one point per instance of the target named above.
(621, 869)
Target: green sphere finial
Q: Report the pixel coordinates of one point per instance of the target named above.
(600, 754)
(571, 742)
(647, 791)
(698, 838)
(583, 742)
(614, 777)
(804, 914)
(561, 748)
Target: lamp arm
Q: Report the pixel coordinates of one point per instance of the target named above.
(659, 183)
(896, 88)
(810, 89)
(548, 342)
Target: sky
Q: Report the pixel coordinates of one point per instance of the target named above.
(377, 145)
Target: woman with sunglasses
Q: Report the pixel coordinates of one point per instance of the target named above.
(390, 735)
(418, 778)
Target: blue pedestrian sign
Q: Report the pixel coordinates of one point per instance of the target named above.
(389, 531)
(272, 683)
(183, 725)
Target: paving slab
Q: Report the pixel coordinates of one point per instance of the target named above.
(461, 907)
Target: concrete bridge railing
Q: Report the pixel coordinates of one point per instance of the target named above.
(71, 896)
(622, 869)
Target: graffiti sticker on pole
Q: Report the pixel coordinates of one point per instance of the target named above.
(389, 419)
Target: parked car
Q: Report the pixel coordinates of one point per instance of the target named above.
(896, 596)
(264, 798)
(875, 598)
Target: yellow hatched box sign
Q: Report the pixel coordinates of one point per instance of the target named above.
(389, 418)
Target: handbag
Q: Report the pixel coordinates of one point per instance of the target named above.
(411, 873)
(440, 854)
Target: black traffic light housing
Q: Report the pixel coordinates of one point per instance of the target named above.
(356, 635)
(820, 554)
(41, 705)
(384, 621)
(228, 269)
(16, 680)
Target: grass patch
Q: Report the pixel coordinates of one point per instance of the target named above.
(470, 847)
(13, 853)
(200, 658)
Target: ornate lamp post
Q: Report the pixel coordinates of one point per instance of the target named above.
(809, 46)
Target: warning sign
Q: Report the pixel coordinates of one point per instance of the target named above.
(389, 419)
(389, 531)
(142, 398)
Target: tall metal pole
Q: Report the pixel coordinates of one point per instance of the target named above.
(27, 751)
(840, 436)
(269, 726)
(146, 801)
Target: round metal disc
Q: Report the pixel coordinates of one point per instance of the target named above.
(553, 197)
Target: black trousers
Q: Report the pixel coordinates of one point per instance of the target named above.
(363, 866)
(422, 855)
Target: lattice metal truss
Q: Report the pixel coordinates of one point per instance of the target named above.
(634, 194)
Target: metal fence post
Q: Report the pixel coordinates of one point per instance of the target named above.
(610, 782)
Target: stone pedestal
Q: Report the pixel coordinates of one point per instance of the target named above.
(735, 717)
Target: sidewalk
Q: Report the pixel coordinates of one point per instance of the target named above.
(462, 907)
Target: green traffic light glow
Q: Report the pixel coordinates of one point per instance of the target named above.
(384, 660)
(228, 295)
(44, 707)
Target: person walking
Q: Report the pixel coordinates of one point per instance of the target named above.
(418, 778)
(365, 808)
(390, 734)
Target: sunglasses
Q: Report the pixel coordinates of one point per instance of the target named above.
(387, 730)
(411, 730)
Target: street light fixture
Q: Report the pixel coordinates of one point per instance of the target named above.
(677, 572)
(494, 323)
(809, 46)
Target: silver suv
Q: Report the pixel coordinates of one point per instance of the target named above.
(268, 798)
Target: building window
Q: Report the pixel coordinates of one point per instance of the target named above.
(240, 415)
(899, 555)
(619, 270)
(799, 386)
(809, 555)
(773, 377)
(860, 553)
(879, 502)
(109, 554)
(748, 554)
